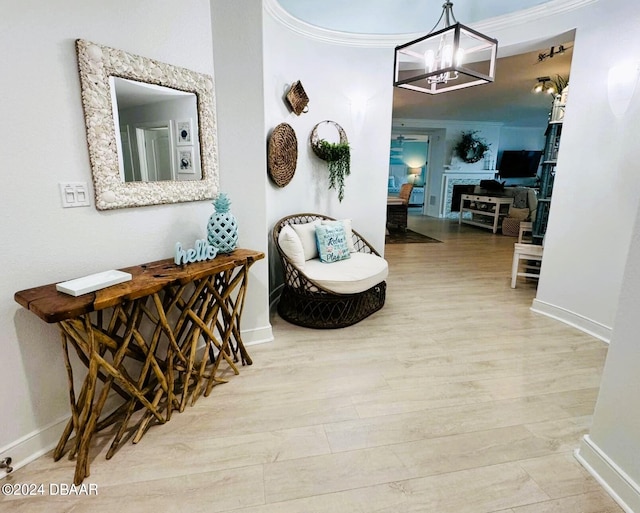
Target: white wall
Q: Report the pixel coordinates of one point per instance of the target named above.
(599, 164)
(596, 190)
(238, 57)
(333, 77)
(611, 450)
(521, 138)
(43, 143)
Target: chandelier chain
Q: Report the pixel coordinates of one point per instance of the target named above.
(447, 10)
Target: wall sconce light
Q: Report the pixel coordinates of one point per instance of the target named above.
(445, 60)
(621, 85)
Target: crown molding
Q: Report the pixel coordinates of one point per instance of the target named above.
(276, 11)
(548, 9)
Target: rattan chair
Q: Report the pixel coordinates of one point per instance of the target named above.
(306, 303)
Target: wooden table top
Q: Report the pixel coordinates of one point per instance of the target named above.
(53, 306)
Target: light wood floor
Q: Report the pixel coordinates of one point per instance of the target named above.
(454, 398)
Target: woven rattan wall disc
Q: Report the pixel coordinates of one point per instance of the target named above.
(315, 138)
(282, 154)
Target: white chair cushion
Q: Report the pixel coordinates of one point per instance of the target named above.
(356, 274)
(291, 246)
(307, 234)
(347, 230)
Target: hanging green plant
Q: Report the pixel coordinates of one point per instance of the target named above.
(471, 148)
(337, 155)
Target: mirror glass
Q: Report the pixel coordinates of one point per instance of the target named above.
(150, 129)
(157, 128)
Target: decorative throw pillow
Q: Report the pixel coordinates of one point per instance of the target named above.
(332, 243)
(348, 231)
(291, 246)
(520, 214)
(307, 234)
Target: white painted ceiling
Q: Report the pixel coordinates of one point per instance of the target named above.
(508, 100)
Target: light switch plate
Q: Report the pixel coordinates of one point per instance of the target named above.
(74, 194)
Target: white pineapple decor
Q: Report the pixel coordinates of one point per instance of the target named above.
(222, 229)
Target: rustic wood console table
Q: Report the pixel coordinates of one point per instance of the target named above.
(143, 339)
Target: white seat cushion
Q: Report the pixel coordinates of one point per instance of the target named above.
(356, 274)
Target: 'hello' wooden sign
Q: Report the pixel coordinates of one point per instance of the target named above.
(202, 251)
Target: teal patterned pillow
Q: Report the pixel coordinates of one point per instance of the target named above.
(332, 242)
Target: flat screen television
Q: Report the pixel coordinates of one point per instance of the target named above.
(519, 163)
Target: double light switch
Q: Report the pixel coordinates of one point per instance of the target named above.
(74, 194)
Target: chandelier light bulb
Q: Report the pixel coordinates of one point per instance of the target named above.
(447, 57)
(429, 61)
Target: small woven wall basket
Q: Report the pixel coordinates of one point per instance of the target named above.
(297, 98)
(315, 138)
(282, 154)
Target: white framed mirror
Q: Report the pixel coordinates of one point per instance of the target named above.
(151, 129)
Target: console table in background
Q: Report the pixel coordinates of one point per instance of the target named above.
(486, 211)
(142, 340)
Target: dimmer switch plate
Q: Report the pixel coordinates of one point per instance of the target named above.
(74, 194)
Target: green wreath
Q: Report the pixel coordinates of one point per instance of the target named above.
(471, 148)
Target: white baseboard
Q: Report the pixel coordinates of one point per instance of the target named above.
(40, 441)
(257, 336)
(33, 445)
(613, 479)
(580, 322)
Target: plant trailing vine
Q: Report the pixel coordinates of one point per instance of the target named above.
(337, 155)
(471, 148)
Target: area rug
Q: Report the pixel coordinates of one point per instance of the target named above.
(407, 237)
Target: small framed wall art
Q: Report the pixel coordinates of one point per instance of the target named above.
(184, 132)
(185, 160)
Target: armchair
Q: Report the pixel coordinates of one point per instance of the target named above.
(398, 207)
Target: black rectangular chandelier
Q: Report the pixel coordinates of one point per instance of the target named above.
(452, 58)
